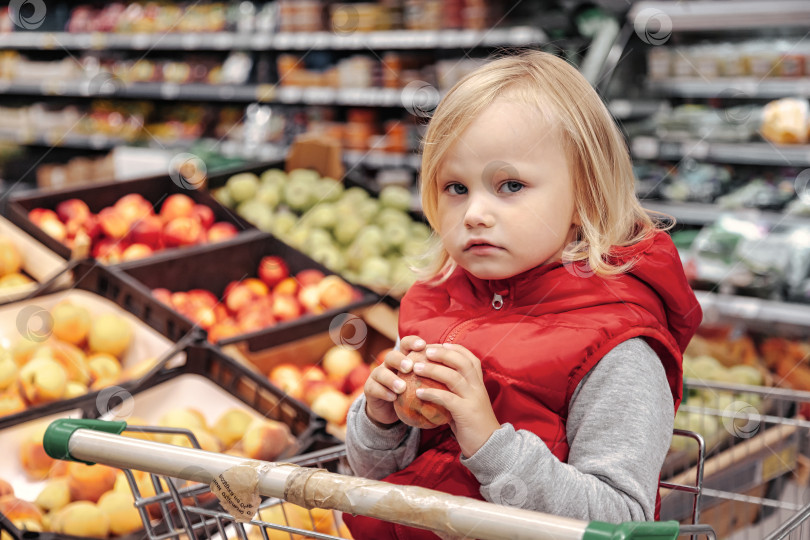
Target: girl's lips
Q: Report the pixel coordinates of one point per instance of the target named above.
(479, 247)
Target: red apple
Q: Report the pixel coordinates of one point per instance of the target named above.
(133, 207)
(180, 301)
(334, 292)
(38, 215)
(257, 286)
(223, 329)
(163, 295)
(312, 389)
(182, 231)
(221, 230)
(148, 230)
(287, 286)
(92, 226)
(314, 373)
(73, 210)
(356, 378)
(310, 276)
(272, 270)
(113, 223)
(204, 214)
(237, 295)
(310, 298)
(108, 250)
(254, 317)
(286, 307)
(175, 206)
(287, 377)
(136, 251)
(202, 297)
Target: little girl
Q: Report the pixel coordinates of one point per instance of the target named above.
(555, 312)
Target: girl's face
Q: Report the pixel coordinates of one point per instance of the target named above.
(506, 196)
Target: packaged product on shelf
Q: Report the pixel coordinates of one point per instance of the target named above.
(700, 182)
(786, 121)
(758, 193)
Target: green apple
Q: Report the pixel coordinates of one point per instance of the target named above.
(224, 197)
(402, 277)
(297, 237)
(396, 197)
(348, 226)
(323, 215)
(420, 231)
(368, 209)
(256, 213)
(275, 177)
(388, 215)
(329, 189)
(303, 175)
(395, 235)
(743, 374)
(243, 186)
(375, 271)
(283, 222)
(329, 256)
(299, 195)
(269, 195)
(317, 237)
(355, 194)
(414, 248)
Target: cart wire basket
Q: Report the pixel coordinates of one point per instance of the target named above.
(755, 477)
(186, 510)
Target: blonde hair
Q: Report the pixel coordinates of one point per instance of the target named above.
(609, 212)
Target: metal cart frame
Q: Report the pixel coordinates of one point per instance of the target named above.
(97, 441)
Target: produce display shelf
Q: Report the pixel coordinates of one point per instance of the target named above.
(392, 39)
(777, 318)
(732, 87)
(751, 153)
(170, 91)
(695, 213)
(695, 15)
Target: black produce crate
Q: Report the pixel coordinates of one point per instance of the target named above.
(121, 290)
(213, 268)
(155, 189)
(246, 385)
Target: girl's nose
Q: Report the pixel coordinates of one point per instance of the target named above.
(478, 214)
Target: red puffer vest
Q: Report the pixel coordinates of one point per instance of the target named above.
(556, 322)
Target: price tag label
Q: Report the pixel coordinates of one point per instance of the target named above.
(283, 40)
(169, 90)
(319, 96)
(696, 149)
(141, 41)
(645, 147)
(190, 41)
(261, 41)
(223, 40)
(98, 41)
(265, 92)
(744, 308)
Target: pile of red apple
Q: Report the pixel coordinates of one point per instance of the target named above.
(254, 303)
(330, 387)
(130, 228)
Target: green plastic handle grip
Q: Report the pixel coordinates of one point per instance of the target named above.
(59, 431)
(632, 530)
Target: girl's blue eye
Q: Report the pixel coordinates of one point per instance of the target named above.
(511, 186)
(456, 189)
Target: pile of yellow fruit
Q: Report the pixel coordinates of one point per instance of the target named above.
(11, 262)
(79, 353)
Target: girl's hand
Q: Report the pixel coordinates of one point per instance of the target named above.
(473, 420)
(383, 385)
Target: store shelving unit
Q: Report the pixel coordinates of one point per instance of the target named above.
(751, 153)
(101, 86)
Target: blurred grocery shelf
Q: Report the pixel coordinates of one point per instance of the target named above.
(393, 39)
(730, 14)
(755, 153)
(267, 93)
(732, 87)
(694, 213)
(756, 310)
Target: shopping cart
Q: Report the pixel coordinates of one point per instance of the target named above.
(310, 483)
(756, 474)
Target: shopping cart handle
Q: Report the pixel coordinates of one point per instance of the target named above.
(632, 530)
(57, 436)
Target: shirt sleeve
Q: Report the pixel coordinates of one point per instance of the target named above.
(374, 452)
(619, 429)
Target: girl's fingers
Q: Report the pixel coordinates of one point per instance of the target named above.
(455, 357)
(388, 380)
(375, 390)
(448, 376)
(397, 361)
(411, 343)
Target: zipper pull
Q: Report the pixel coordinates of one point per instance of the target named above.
(497, 301)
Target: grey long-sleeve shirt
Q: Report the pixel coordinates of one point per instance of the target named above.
(619, 429)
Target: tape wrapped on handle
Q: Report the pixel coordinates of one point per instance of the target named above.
(237, 489)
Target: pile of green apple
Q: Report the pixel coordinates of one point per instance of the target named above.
(366, 239)
(709, 403)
